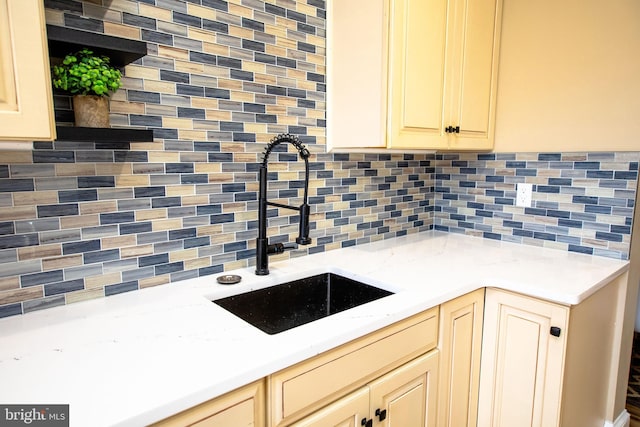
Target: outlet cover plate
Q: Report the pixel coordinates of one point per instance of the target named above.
(523, 194)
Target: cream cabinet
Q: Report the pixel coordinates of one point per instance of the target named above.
(390, 364)
(412, 74)
(545, 364)
(243, 407)
(460, 343)
(405, 397)
(26, 102)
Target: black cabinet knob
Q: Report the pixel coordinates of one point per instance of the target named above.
(555, 331)
(366, 423)
(381, 414)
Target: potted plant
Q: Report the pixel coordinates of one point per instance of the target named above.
(89, 78)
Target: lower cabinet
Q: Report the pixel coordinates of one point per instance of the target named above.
(405, 397)
(522, 361)
(243, 407)
(545, 364)
(460, 342)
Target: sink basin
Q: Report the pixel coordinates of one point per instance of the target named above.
(285, 306)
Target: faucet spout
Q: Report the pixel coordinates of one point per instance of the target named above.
(263, 248)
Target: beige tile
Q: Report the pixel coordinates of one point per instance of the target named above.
(180, 190)
(113, 169)
(159, 87)
(124, 31)
(69, 222)
(202, 35)
(55, 263)
(136, 251)
(202, 12)
(32, 198)
(172, 52)
(207, 167)
(150, 11)
(102, 280)
(140, 72)
(22, 212)
(177, 123)
(75, 169)
(209, 230)
(214, 48)
(154, 281)
(182, 255)
(243, 33)
(198, 135)
(132, 180)
(189, 67)
(192, 264)
(167, 224)
(9, 283)
(54, 17)
(18, 295)
(195, 200)
(83, 295)
(163, 157)
(116, 242)
(124, 5)
(89, 208)
(238, 10)
(151, 214)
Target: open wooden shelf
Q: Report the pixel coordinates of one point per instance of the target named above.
(63, 41)
(71, 133)
(121, 52)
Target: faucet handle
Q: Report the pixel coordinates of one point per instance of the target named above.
(278, 248)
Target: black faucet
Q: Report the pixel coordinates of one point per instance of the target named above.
(263, 248)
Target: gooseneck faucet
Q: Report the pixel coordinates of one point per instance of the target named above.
(263, 248)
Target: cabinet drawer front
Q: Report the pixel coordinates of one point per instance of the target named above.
(308, 385)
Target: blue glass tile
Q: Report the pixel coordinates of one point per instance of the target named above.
(600, 174)
(101, 256)
(581, 249)
(10, 310)
(586, 165)
(64, 287)
(526, 172)
(621, 229)
(492, 236)
(117, 217)
(611, 237)
(135, 228)
(46, 211)
(222, 218)
(544, 236)
(41, 278)
(548, 189)
(522, 233)
(628, 175)
(550, 157)
(169, 268)
(587, 200)
(121, 288)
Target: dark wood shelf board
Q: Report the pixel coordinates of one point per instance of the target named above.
(69, 133)
(63, 41)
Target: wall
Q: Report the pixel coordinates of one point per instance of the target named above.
(568, 76)
(582, 202)
(82, 220)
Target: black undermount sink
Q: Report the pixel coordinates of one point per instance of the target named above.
(285, 306)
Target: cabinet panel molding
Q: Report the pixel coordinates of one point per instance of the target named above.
(26, 100)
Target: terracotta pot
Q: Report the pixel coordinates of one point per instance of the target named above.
(91, 111)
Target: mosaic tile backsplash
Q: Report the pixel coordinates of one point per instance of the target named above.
(582, 202)
(83, 220)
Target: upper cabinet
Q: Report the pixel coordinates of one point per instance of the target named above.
(412, 74)
(26, 103)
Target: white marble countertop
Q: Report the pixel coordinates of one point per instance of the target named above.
(135, 358)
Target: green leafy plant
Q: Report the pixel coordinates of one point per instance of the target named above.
(84, 73)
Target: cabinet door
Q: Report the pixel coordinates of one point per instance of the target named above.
(522, 363)
(26, 111)
(243, 407)
(472, 72)
(346, 412)
(416, 74)
(357, 41)
(407, 396)
(460, 347)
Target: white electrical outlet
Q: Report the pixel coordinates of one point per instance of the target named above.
(523, 194)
